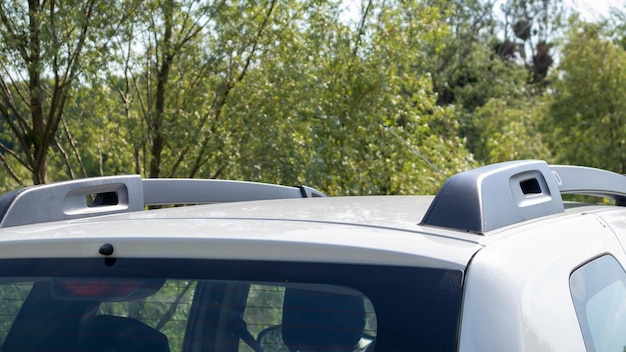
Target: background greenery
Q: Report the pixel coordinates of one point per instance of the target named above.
(389, 98)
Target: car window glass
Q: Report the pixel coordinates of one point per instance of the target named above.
(308, 314)
(12, 296)
(166, 310)
(183, 305)
(599, 294)
(264, 307)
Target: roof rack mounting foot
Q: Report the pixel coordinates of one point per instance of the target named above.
(498, 195)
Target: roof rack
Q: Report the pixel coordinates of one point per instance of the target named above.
(498, 195)
(119, 194)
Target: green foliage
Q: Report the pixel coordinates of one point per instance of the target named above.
(510, 132)
(498, 112)
(90, 141)
(389, 100)
(483, 76)
(320, 117)
(486, 73)
(46, 48)
(589, 100)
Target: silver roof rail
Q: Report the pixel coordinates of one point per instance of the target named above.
(592, 182)
(118, 194)
(498, 195)
(169, 191)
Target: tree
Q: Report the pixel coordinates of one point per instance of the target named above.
(149, 49)
(589, 100)
(181, 61)
(511, 130)
(90, 141)
(472, 26)
(287, 92)
(337, 105)
(483, 71)
(531, 27)
(46, 47)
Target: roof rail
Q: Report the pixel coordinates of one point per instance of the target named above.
(118, 194)
(498, 195)
(592, 182)
(169, 191)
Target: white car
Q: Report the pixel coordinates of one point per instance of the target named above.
(496, 261)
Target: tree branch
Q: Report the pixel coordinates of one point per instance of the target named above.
(173, 306)
(75, 149)
(11, 171)
(257, 40)
(17, 157)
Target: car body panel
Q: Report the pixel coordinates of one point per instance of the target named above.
(517, 295)
(253, 230)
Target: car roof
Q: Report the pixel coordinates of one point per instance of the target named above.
(367, 230)
(441, 231)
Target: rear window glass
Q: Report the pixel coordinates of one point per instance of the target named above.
(202, 305)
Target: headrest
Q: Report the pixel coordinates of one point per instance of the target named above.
(119, 334)
(316, 320)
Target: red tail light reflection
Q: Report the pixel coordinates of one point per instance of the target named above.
(90, 288)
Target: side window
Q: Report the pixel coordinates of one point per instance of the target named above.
(598, 290)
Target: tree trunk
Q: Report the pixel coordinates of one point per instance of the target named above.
(38, 149)
(156, 123)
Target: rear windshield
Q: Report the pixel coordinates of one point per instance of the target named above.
(208, 305)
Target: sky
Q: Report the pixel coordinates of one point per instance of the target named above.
(595, 9)
(589, 9)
